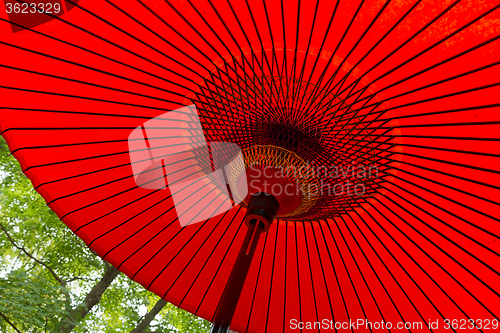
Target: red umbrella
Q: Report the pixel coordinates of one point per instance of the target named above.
(389, 109)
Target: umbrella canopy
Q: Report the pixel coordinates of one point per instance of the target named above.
(393, 102)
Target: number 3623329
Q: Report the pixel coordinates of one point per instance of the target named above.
(25, 8)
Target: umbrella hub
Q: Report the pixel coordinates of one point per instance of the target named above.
(262, 209)
(340, 133)
(281, 173)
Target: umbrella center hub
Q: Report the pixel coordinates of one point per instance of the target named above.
(280, 173)
(262, 209)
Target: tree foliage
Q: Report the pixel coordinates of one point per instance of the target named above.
(47, 274)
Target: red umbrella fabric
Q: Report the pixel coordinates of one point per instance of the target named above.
(407, 87)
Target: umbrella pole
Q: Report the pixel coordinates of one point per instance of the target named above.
(262, 209)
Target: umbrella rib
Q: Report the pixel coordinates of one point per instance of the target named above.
(437, 82)
(235, 71)
(450, 162)
(410, 257)
(92, 84)
(281, 74)
(355, 143)
(189, 240)
(297, 263)
(86, 50)
(344, 79)
(95, 69)
(149, 240)
(93, 99)
(323, 270)
(160, 37)
(453, 201)
(216, 273)
(470, 108)
(249, 44)
(350, 111)
(451, 175)
(174, 30)
(236, 100)
(332, 16)
(422, 52)
(415, 103)
(162, 247)
(122, 192)
(272, 274)
(257, 283)
(284, 68)
(382, 39)
(456, 56)
(310, 269)
(446, 198)
(99, 156)
(130, 219)
(218, 37)
(456, 93)
(391, 253)
(405, 43)
(80, 175)
(444, 184)
(188, 68)
(115, 44)
(105, 142)
(439, 42)
(294, 62)
(254, 57)
(358, 269)
(448, 225)
(463, 151)
(439, 207)
(89, 189)
(210, 256)
(264, 56)
(172, 82)
(115, 210)
(86, 113)
(383, 263)
(424, 87)
(244, 60)
(346, 270)
(216, 225)
(285, 274)
(447, 211)
(435, 261)
(85, 98)
(371, 267)
(307, 52)
(447, 124)
(388, 128)
(313, 96)
(335, 274)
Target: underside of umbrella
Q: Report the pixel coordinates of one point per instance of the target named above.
(392, 108)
